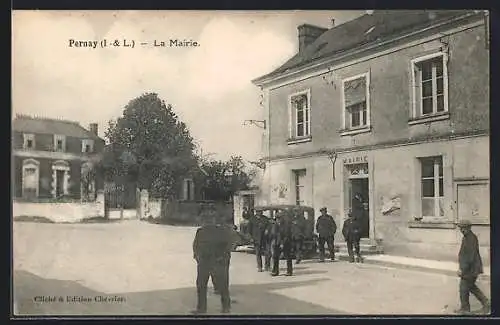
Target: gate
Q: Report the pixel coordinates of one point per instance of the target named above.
(117, 197)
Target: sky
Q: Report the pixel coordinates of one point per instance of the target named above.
(209, 86)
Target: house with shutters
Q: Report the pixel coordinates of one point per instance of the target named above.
(390, 110)
(54, 158)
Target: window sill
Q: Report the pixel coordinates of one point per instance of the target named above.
(299, 140)
(355, 131)
(432, 224)
(429, 118)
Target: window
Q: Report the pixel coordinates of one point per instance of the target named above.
(59, 143)
(30, 178)
(29, 141)
(300, 115)
(299, 176)
(432, 192)
(430, 83)
(87, 145)
(356, 110)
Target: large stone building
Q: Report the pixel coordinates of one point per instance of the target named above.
(54, 158)
(392, 106)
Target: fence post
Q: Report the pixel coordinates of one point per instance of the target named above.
(144, 203)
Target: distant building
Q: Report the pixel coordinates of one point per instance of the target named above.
(54, 158)
(392, 106)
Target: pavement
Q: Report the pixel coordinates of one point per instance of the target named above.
(146, 269)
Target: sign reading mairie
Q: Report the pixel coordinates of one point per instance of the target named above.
(355, 160)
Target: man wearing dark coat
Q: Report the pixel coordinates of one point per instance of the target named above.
(282, 243)
(298, 233)
(258, 227)
(470, 267)
(212, 248)
(352, 235)
(326, 229)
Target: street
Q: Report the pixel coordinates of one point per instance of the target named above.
(136, 268)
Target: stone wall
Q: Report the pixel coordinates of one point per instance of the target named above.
(60, 212)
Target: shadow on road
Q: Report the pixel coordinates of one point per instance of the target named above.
(254, 299)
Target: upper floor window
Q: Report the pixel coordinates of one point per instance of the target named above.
(300, 114)
(59, 143)
(29, 141)
(430, 83)
(356, 103)
(87, 145)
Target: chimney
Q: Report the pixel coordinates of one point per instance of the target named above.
(93, 128)
(308, 34)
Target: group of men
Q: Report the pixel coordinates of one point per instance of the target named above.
(284, 235)
(215, 240)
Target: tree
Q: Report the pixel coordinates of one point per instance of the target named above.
(149, 146)
(224, 178)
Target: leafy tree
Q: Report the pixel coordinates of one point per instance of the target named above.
(224, 178)
(149, 146)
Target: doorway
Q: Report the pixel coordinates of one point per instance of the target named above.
(59, 183)
(358, 201)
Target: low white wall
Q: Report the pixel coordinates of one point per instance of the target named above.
(59, 212)
(154, 208)
(128, 214)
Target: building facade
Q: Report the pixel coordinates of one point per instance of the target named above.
(54, 159)
(390, 110)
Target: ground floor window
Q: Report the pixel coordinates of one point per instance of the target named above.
(432, 187)
(299, 176)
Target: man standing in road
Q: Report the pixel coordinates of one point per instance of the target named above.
(212, 248)
(352, 235)
(282, 243)
(470, 267)
(257, 227)
(298, 233)
(326, 229)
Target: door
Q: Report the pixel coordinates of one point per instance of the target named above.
(59, 183)
(358, 200)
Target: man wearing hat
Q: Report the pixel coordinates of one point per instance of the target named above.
(326, 229)
(470, 266)
(282, 243)
(258, 226)
(212, 248)
(351, 231)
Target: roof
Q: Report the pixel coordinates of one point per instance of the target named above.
(370, 28)
(28, 124)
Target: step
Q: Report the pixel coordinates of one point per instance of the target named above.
(366, 247)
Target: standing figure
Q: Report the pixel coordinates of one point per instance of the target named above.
(212, 248)
(269, 237)
(298, 234)
(247, 215)
(470, 266)
(282, 243)
(326, 229)
(352, 235)
(258, 227)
